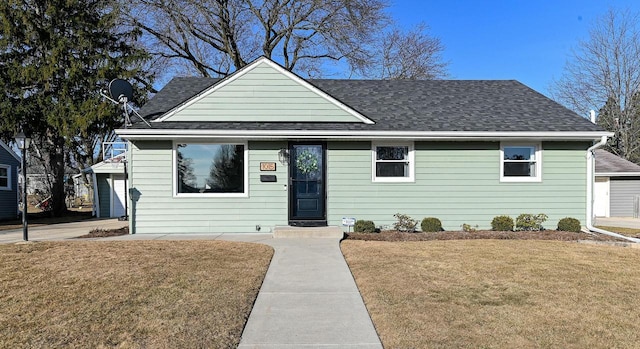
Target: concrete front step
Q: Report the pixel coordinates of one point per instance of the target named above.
(308, 232)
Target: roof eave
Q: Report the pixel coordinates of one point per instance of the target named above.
(142, 134)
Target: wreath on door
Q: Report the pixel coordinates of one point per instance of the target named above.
(307, 162)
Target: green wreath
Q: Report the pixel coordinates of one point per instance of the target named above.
(307, 162)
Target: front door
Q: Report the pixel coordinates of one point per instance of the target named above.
(307, 199)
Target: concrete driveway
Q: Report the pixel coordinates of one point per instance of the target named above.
(621, 222)
(60, 231)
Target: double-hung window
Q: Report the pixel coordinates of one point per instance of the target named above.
(520, 162)
(393, 162)
(211, 169)
(5, 177)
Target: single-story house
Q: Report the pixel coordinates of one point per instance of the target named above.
(9, 188)
(264, 147)
(617, 186)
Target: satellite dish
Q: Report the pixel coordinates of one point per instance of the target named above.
(121, 93)
(119, 89)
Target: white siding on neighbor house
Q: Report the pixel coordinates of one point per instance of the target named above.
(158, 211)
(623, 191)
(263, 94)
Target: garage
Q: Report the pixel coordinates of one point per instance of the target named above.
(617, 186)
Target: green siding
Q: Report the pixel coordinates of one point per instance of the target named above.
(158, 211)
(104, 194)
(458, 182)
(263, 94)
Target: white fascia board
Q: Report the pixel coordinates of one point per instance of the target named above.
(617, 174)
(244, 70)
(337, 134)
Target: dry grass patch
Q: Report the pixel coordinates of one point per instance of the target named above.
(499, 294)
(141, 294)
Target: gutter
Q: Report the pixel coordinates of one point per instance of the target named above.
(590, 180)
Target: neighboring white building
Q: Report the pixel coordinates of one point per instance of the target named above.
(617, 186)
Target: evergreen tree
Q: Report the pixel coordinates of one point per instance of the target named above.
(55, 56)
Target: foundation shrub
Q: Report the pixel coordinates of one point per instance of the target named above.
(431, 224)
(362, 226)
(502, 223)
(530, 222)
(569, 224)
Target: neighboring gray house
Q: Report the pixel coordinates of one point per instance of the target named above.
(264, 148)
(617, 186)
(9, 189)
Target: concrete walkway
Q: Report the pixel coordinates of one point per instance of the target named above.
(309, 300)
(60, 231)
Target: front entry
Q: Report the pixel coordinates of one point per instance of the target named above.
(307, 189)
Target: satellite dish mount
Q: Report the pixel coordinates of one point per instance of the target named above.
(121, 92)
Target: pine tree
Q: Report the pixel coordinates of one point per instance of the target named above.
(55, 56)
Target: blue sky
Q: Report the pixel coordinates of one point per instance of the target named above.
(528, 41)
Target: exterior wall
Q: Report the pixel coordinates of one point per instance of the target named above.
(9, 198)
(104, 194)
(623, 191)
(158, 211)
(457, 182)
(263, 94)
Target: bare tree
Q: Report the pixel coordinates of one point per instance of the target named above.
(603, 74)
(217, 37)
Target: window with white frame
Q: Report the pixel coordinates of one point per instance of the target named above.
(520, 162)
(211, 169)
(5, 177)
(393, 162)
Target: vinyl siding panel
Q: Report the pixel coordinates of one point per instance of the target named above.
(9, 198)
(458, 182)
(622, 193)
(258, 96)
(158, 211)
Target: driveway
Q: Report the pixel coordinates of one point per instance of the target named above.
(60, 231)
(621, 222)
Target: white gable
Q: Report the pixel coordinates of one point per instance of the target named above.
(264, 92)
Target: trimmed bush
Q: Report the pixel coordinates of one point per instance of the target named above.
(431, 224)
(364, 227)
(502, 223)
(529, 222)
(569, 224)
(404, 223)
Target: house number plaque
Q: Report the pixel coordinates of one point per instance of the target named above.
(267, 166)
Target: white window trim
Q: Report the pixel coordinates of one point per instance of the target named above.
(410, 178)
(8, 187)
(174, 175)
(538, 155)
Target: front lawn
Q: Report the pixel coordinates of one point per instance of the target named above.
(140, 294)
(499, 293)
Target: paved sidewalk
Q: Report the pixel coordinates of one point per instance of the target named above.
(60, 231)
(309, 300)
(620, 222)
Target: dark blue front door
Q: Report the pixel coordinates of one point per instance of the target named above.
(307, 185)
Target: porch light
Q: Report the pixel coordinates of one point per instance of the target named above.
(283, 156)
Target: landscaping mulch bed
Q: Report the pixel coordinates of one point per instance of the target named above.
(105, 233)
(481, 234)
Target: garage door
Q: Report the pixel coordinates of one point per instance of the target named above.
(622, 194)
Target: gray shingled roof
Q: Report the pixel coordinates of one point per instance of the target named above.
(610, 163)
(399, 105)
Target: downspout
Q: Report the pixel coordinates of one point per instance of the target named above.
(96, 197)
(590, 180)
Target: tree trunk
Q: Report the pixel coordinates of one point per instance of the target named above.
(57, 165)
